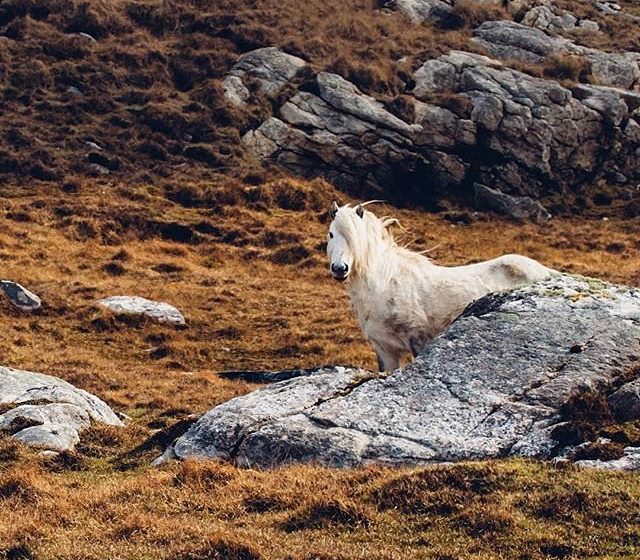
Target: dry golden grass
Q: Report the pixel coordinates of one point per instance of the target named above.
(246, 265)
(244, 261)
(210, 510)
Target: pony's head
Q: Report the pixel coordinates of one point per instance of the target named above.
(356, 237)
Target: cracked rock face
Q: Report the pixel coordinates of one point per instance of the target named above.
(491, 385)
(471, 120)
(135, 305)
(47, 412)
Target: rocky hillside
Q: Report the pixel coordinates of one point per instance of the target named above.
(162, 253)
(414, 100)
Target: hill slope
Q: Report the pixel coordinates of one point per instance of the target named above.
(187, 216)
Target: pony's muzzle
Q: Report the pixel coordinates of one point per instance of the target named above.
(340, 271)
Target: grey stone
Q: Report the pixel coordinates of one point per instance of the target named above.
(508, 40)
(93, 146)
(607, 101)
(50, 437)
(492, 385)
(86, 36)
(556, 21)
(283, 398)
(609, 8)
(346, 98)
(98, 169)
(630, 461)
(19, 296)
(157, 310)
(625, 402)
(588, 26)
(54, 411)
(516, 207)
(67, 414)
(235, 90)
(621, 70)
(423, 11)
(269, 67)
(439, 126)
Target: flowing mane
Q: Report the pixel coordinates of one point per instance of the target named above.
(367, 236)
(403, 299)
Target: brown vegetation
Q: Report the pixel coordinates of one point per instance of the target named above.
(567, 69)
(187, 217)
(141, 97)
(224, 253)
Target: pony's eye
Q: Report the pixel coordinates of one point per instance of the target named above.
(330, 235)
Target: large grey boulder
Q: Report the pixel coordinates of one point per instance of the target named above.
(136, 305)
(47, 412)
(517, 207)
(492, 385)
(270, 68)
(339, 129)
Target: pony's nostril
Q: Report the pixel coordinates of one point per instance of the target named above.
(339, 268)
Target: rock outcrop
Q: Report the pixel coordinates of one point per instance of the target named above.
(541, 14)
(507, 40)
(469, 120)
(630, 461)
(494, 384)
(625, 402)
(135, 305)
(440, 12)
(268, 69)
(47, 412)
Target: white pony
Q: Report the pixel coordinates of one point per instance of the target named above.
(401, 298)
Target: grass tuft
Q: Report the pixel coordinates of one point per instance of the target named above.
(323, 513)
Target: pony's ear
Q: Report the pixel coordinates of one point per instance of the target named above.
(333, 210)
(360, 210)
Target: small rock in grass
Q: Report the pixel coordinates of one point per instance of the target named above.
(19, 296)
(158, 310)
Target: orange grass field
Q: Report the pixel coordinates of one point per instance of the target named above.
(246, 266)
(239, 250)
